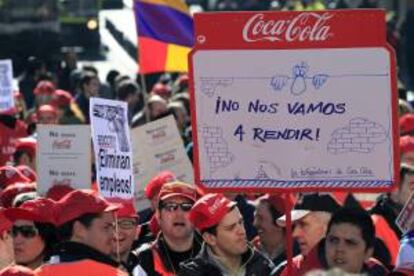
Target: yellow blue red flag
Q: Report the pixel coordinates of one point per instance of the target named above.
(165, 35)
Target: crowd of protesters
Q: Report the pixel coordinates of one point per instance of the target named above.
(186, 231)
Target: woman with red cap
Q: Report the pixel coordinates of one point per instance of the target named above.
(33, 231)
(67, 109)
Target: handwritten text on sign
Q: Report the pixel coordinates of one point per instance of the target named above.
(300, 120)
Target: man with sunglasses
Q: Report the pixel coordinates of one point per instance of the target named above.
(87, 226)
(176, 242)
(127, 232)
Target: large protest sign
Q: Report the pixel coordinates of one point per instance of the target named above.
(63, 156)
(6, 85)
(157, 146)
(112, 147)
(294, 101)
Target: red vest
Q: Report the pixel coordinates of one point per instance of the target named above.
(159, 266)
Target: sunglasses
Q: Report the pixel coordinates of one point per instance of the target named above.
(27, 231)
(172, 206)
(127, 224)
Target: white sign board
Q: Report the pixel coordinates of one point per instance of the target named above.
(310, 118)
(157, 146)
(6, 85)
(405, 220)
(63, 156)
(112, 147)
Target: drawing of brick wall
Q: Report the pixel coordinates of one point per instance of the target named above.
(360, 136)
(216, 148)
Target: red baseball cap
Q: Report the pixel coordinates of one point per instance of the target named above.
(210, 210)
(127, 210)
(406, 144)
(162, 90)
(10, 192)
(5, 223)
(183, 79)
(61, 98)
(39, 210)
(17, 270)
(406, 123)
(10, 111)
(56, 192)
(47, 109)
(80, 202)
(278, 202)
(28, 172)
(27, 144)
(10, 175)
(155, 184)
(44, 88)
(178, 188)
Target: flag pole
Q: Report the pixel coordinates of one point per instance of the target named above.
(145, 97)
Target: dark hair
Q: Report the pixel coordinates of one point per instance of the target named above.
(86, 78)
(18, 154)
(111, 76)
(34, 64)
(359, 218)
(404, 170)
(273, 211)
(213, 229)
(66, 230)
(90, 68)
(126, 88)
(50, 237)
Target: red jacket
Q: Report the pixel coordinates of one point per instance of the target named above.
(83, 267)
(384, 232)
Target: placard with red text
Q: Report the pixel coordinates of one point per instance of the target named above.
(294, 101)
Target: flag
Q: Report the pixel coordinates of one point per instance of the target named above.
(165, 35)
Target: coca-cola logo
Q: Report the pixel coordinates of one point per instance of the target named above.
(62, 144)
(64, 182)
(307, 26)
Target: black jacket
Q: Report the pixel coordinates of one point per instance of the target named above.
(73, 251)
(143, 256)
(256, 264)
(389, 210)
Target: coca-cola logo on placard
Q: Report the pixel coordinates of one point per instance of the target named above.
(307, 26)
(62, 144)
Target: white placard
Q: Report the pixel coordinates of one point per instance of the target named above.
(294, 119)
(157, 146)
(405, 220)
(6, 85)
(63, 156)
(112, 147)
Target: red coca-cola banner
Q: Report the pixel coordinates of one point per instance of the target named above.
(279, 30)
